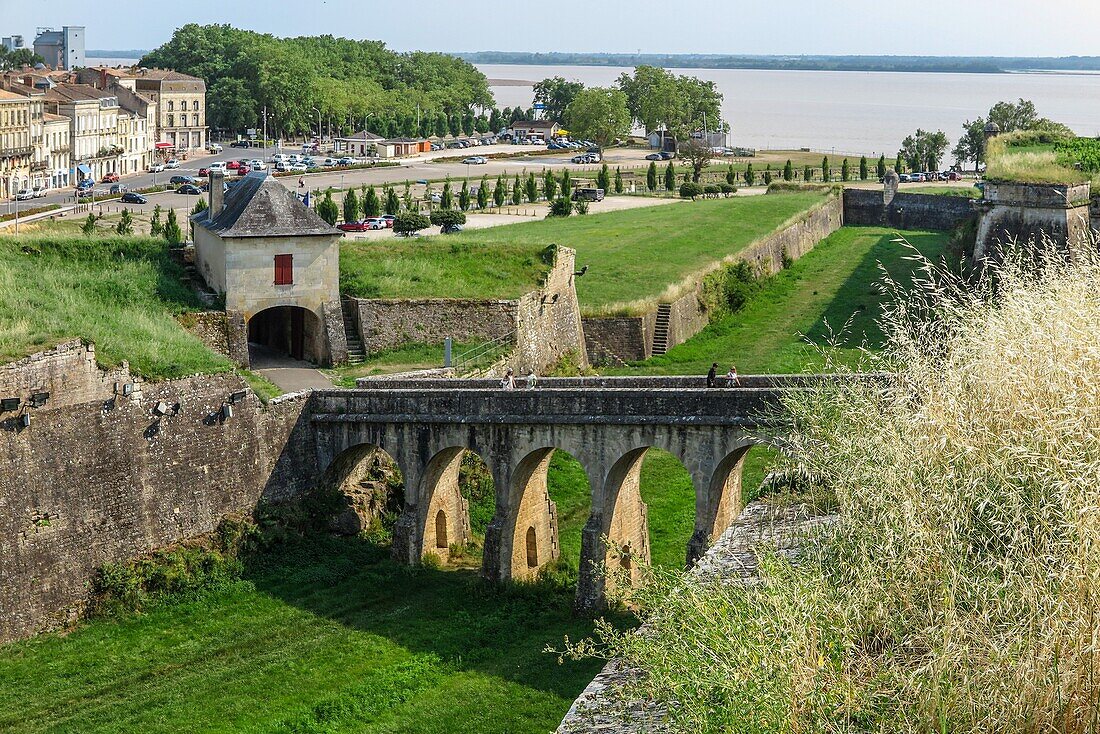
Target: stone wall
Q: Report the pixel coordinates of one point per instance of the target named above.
(117, 475)
(548, 321)
(864, 207)
(68, 372)
(610, 340)
(211, 327)
(1027, 213)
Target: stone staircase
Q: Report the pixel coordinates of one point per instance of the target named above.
(356, 352)
(660, 329)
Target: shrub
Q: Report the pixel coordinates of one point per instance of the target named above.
(351, 206)
(125, 224)
(549, 185)
(447, 217)
(531, 188)
(958, 593)
(172, 233)
(483, 193)
(408, 223)
(447, 198)
(464, 196)
(326, 209)
(711, 190)
(750, 175)
(618, 180)
(727, 188)
(670, 177)
(580, 207)
(651, 176)
(561, 207)
(689, 190)
(728, 289)
(156, 229)
(88, 228)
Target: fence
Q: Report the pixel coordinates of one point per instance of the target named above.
(484, 355)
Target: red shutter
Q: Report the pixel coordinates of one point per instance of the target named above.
(284, 270)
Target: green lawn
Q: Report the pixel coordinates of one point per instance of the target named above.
(632, 255)
(830, 293)
(329, 636)
(119, 293)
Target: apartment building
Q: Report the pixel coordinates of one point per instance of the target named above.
(95, 146)
(53, 152)
(20, 123)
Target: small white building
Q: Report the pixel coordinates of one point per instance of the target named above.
(360, 145)
(278, 265)
(541, 129)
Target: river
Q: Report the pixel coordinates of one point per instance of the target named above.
(845, 111)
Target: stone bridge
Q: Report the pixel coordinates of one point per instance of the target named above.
(607, 424)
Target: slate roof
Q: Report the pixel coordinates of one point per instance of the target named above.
(259, 206)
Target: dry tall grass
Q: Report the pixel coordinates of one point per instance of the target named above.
(961, 592)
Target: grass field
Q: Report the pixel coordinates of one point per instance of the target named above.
(633, 256)
(120, 293)
(830, 291)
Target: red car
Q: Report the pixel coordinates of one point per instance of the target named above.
(204, 172)
(243, 170)
(233, 165)
(389, 220)
(110, 178)
(353, 226)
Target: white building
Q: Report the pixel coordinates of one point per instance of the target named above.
(96, 148)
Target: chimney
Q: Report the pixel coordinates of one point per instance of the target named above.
(217, 194)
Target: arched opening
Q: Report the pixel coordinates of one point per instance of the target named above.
(532, 548)
(668, 492)
(371, 491)
(282, 333)
(458, 497)
(441, 530)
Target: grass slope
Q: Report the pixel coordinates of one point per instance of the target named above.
(329, 636)
(633, 255)
(830, 291)
(119, 293)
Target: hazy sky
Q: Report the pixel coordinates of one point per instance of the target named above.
(924, 27)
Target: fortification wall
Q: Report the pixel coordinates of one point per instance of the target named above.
(548, 321)
(106, 478)
(864, 207)
(609, 340)
(68, 372)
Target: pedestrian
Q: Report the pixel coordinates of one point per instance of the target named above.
(509, 380)
(712, 375)
(532, 380)
(301, 182)
(731, 376)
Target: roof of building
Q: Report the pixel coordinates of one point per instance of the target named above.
(5, 94)
(364, 135)
(164, 75)
(548, 124)
(405, 140)
(259, 206)
(76, 93)
(51, 117)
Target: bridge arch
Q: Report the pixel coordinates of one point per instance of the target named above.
(371, 482)
(444, 516)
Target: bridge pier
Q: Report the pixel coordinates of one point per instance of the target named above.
(719, 506)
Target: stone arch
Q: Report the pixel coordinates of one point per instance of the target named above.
(440, 498)
(286, 331)
(532, 523)
(625, 527)
(372, 484)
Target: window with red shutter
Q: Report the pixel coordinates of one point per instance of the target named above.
(284, 270)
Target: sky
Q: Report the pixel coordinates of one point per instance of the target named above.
(917, 27)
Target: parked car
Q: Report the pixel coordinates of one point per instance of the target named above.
(904, 178)
(257, 165)
(243, 171)
(156, 168)
(299, 167)
(239, 144)
(133, 198)
(189, 189)
(84, 185)
(109, 178)
(476, 160)
(172, 163)
(389, 219)
(437, 146)
(40, 191)
(353, 226)
(588, 194)
(450, 228)
(328, 162)
(232, 165)
(218, 166)
(118, 189)
(348, 161)
(375, 223)
(214, 148)
(204, 172)
(954, 176)
(181, 180)
(24, 195)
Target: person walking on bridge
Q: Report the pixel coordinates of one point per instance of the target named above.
(712, 375)
(731, 377)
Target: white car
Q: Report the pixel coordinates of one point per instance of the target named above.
(24, 195)
(218, 166)
(300, 167)
(40, 191)
(214, 148)
(173, 163)
(328, 162)
(476, 160)
(257, 165)
(280, 158)
(156, 168)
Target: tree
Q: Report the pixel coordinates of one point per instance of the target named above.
(372, 207)
(156, 229)
(651, 176)
(899, 163)
(826, 174)
(441, 125)
(580, 207)
(670, 177)
(971, 146)
(18, 58)
(500, 191)
(483, 193)
(230, 105)
(768, 177)
(1010, 117)
(351, 206)
(326, 209)
(808, 173)
(750, 175)
(172, 233)
(517, 191)
(690, 190)
(845, 170)
(923, 150)
(200, 206)
(788, 171)
(556, 94)
(531, 188)
(566, 184)
(447, 217)
(599, 114)
(88, 228)
(731, 175)
(407, 197)
(603, 178)
(408, 222)
(464, 197)
(660, 100)
(447, 198)
(864, 171)
(561, 207)
(698, 155)
(549, 185)
(392, 204)
(880, 169)
(618, 180)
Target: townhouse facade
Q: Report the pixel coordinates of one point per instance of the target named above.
(54, 152)
(95, 147)
(20, 126)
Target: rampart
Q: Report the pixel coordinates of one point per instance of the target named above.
(865, 208)
(109, 468)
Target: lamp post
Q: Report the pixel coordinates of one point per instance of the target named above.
(318, 126)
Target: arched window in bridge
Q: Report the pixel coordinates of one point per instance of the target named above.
(532, 549)
(624, 558)
(441, 529)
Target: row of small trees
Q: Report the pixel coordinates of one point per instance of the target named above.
(169, 230)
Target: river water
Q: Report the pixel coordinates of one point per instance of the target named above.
(843, 111)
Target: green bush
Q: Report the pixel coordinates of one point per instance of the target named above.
(712, 190)
(326, 209)
(728, 289)
(727, 188)
(447, 217)
(690, 190)
(561, 207)
(407, 223)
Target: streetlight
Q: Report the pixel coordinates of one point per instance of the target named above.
(318, 127)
